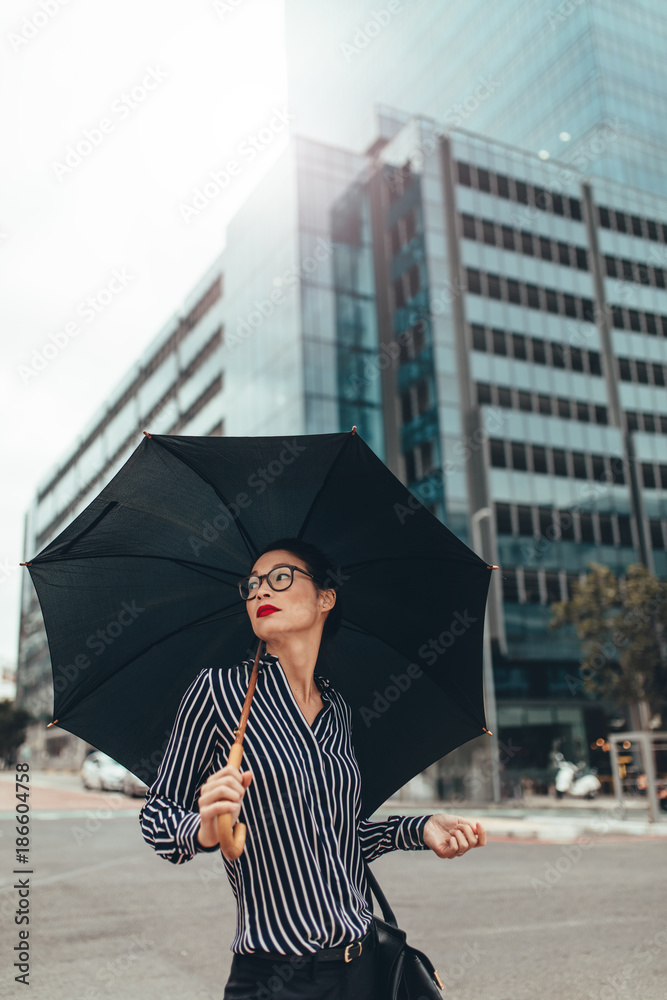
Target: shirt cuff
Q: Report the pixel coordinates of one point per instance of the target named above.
(186, 836)
(410, 832)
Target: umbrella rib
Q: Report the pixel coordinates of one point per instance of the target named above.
(243, 531)
(82, 534)
(189, 564)
(304, 525)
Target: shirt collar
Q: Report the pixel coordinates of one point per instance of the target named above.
(269, 660)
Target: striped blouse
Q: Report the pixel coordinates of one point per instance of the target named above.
(300, 883)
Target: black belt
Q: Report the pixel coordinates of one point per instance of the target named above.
(345, 954)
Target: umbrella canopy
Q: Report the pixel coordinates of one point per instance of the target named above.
(139, 594)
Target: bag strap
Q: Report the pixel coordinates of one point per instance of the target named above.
(374, 886)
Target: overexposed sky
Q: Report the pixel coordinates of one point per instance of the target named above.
(112, 114)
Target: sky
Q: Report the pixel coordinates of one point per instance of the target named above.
(112, 114)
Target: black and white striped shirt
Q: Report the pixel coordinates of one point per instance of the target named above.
(300, 883)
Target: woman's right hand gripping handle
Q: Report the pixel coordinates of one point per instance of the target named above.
(221, 794)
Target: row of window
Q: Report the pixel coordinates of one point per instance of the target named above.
(406, 286)
(510, 398)
(542, 459)
(640, 322)
(496, 286)
(522, 241)
(549, 524)
(481, 179)
(534, 349)
(630, 270)
(537, 586)
(650, 423)
(403, 231)
(199, 310)
(622, 222)
(644, 372)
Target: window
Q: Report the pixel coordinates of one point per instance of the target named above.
(519, 347)
(576, 359)
(624, 529)
(508, 238)
(657, 541)
(493, 284)
(563, 408)
(594, 366)
(483, 394)
(658, 277)
(504, 397)
(658, 374)
(552, 301)
(621, 222)
(624, 370)
(601, 416)
(406, 407)
(617, 471)
(583, 414)
(533, 295)
(552, 587)
(519, 459)
(539, 353)
(649, 423)
(662, 469)
(642, 372)
(652, 230)
(410, 467)
(635, 324)
(587, 310)
(502, 185)
(510, 588)
(565, 525)
(464, 174)
(525, 402)
(521, 192)
(426, 454)
(478, 337)
(599, 472)
(497, 449)
(610, 267)
(617, 317)
(627, 270)
(603, 217)
(539, 458)
(632, 420)
(469, 227)
(513, 291)
(483, 179)
(575, 209)
(413, 280)
(648, 476)
(541, 199)
(579, 463)
(489, 232)
(531, 586)
(503, 519)
(558, 354)
(651, 325)
(564, 254)
(558, 205)
(545, 520)
(636, 225)
(586, 527)
(527, 243)
(399, 294)
(498, 341)
(544, 404)
(525, 519)
(582, 258)
(606, 529)
(560, 462)
(570, 305)
(474, 281)
(545, 248)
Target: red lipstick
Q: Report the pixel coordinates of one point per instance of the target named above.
(266, 609)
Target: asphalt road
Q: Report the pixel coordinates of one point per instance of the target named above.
(514, 921)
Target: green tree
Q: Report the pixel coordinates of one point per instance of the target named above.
(13, 722)
(622, 628)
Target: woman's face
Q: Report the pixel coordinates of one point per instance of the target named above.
(300, 608)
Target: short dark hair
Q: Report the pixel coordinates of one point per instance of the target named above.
(317, 563)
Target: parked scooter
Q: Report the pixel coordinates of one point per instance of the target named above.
(577, 780)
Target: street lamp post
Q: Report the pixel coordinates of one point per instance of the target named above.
(489, 686)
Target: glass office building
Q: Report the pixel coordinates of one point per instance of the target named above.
(550, 78)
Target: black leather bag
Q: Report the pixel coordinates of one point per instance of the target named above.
(407, 973)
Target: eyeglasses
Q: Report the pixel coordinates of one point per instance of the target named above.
(279, 578)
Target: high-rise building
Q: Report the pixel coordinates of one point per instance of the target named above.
(493, 321)
(545, 77)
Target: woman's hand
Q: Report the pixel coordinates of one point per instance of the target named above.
(222, 793)
(453, 836)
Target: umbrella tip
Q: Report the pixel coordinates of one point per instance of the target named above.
(25, 564)
(493, 567)
(487, 731)
(54, 723)
(354, 429)
(147, 434)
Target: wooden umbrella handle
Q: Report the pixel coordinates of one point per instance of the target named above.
(232, 839)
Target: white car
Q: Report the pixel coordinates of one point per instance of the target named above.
(99, 771)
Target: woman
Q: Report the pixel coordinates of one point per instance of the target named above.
(304, 928)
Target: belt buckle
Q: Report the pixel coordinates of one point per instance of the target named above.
(347, 956)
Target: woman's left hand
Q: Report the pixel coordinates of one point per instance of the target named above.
(453, 836)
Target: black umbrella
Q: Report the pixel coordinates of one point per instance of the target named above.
(139, 594)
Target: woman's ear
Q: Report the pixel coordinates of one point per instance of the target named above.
(328, 599)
